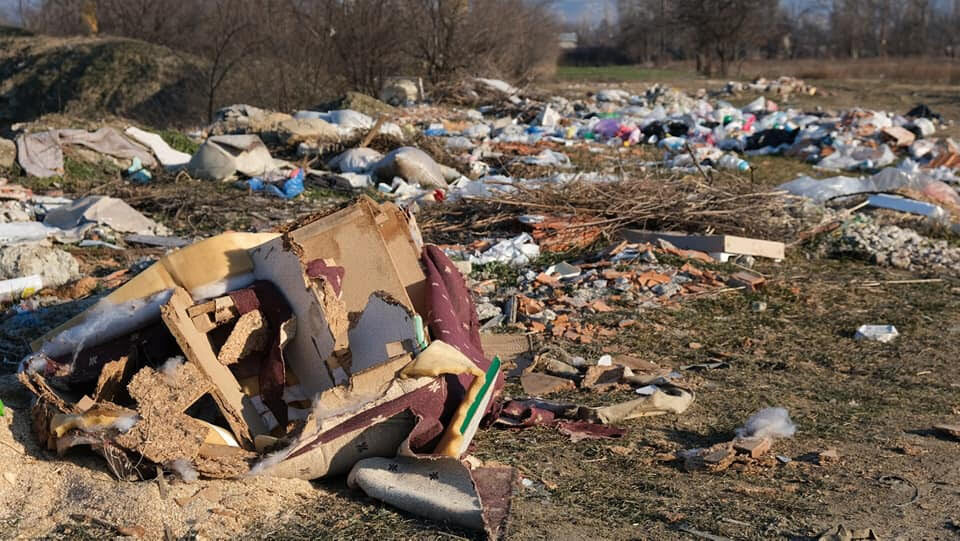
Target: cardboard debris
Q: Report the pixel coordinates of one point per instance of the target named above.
(748, 280)
(537, 384)
(602, 378)
(323, 344)
(711, 244)
(900, 137)
(755, 447)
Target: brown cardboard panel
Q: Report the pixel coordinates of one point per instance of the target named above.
(237, 408)
(352, 238)
(405, 252)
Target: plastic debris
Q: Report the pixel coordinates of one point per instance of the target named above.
(877, 333)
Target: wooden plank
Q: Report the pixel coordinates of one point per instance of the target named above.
(236, 407)
(711, 244)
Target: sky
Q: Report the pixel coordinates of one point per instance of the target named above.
(589, 11)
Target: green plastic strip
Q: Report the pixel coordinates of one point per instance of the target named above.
(1, 408)
(490, 377)
(421, 338)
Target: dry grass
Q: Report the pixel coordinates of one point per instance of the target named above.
(909, 70)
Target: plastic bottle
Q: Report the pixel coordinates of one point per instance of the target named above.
(673, 144)
(733, 163)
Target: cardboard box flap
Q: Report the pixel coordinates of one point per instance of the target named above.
(368, 241)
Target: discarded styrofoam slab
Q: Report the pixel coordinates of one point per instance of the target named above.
(383, 321)
(208, 268)
(711, 243)
(353, 238)
(237, 409)
(903, 204)
(314, 343)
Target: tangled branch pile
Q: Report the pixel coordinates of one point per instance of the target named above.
(654, 202)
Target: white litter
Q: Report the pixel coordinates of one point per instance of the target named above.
(768, 423)
(877, 333)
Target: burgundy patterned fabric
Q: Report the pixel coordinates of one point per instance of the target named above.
(452, 318)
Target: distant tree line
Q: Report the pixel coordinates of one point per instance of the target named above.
(285, 53)
(720, 33)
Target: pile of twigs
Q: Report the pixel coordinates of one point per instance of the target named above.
(657, 202)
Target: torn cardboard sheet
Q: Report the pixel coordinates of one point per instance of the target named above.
(353, 238)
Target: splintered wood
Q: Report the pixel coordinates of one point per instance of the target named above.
(237, 408)
(210, 315)
(250, 335)
(163, 432)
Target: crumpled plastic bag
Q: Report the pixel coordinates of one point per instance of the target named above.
(519, 250)
(412, 165)
(355, 160)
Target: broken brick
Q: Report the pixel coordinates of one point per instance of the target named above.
(755, 447)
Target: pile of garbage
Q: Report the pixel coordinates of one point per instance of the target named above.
(893, 246)
(782, 86)
(341, 343)
(562, 299)
(344, 345)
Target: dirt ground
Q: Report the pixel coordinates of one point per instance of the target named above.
(875, 404)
